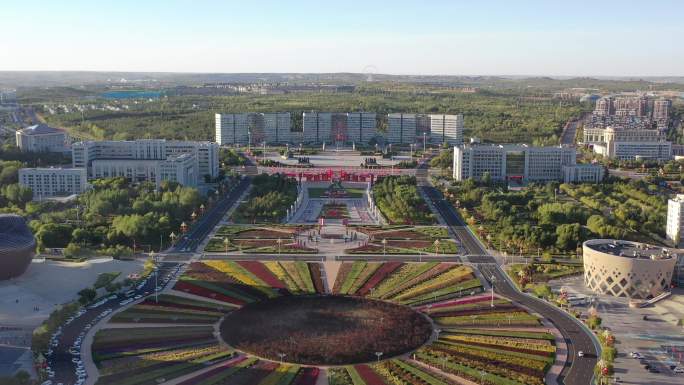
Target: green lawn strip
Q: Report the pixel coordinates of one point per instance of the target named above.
(104, 357)
(217, 245)
(490, 319)
(174, 299)
(468, 306)
(291, 269)
(228, 372)
(356, 269)
(419, 373)
(283, 249)
(497, 333)
(467, 371)
(141, 334)
(355, 376)
(390, 283)
(305, 274)
(231, 230)
(528, 356)
(133, 317)
(152, 309)
(446, 246)
(230, 293)
(433, 231)
(451, 289)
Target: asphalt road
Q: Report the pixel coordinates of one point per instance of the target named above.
(61, 359)
(190, 241)
(577, 371)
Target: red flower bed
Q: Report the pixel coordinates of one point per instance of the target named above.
(454, 302)
(402, 234)
(263, 234)
(418, 244)
(315, 273)
(341, 276)
(151, 302)
(306, 376)
(258, 269)
(368, 375)
(251, 243)
(202, 292)
(379, 275)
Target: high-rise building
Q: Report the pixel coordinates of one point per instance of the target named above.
(519, 163)
(338, 127)
(401, 128)
(253, 128)
(675, 221)
(633, 144)
(661, 109)
(42, 138)
(604, 106)
(51, 182)
(446, 129)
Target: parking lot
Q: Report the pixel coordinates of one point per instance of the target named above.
(644, 331)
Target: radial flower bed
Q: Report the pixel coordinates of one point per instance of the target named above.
(279, 326)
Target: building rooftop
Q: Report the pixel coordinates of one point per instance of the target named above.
(40, 129)
(630, 249)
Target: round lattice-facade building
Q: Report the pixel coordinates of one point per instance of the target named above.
(627, 269)
(17, 246)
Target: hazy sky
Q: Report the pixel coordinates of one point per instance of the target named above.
(478, 37)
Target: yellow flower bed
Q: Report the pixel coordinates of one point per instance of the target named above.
(277, 269)
(449, 277)
(236, 271)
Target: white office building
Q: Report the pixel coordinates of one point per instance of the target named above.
(84, 154)
(401, 128)
(42, 138)
(520, 163)
(583, 173)
(254, 128)
(446, 129)
(53, 182)
(675, 221)
(338, 127)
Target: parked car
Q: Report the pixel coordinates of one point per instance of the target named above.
(678, 370)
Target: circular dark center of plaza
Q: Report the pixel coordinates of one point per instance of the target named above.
(325, 330)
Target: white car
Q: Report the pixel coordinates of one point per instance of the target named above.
(678, 370)
(580, 354)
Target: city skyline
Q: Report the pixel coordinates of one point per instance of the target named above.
(437, 38)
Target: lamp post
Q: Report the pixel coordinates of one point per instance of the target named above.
(156, 276)
(482, 376)
(279, 242)
(384, 246)
(249, 141)
(436, 243)
(173, 237)
(282, 356)
(226, 242)
(493, 279)
(424, 135)
(378, 354)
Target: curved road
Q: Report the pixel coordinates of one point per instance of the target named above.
(577, 370)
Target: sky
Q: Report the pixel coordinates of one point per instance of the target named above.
(429, 37)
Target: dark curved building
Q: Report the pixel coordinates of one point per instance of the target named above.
(17, 246)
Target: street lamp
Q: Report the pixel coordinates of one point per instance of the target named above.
(378, 354)
(282, 356)
(436, 243)
(156, 276)
(482, 376)
(384, 246)
(226, 242)
(279, 242)
(493, 279)
(173, 237)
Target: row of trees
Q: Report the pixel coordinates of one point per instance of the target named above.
(398, 199)
(269, 199)
(560, 217)
(116, 216)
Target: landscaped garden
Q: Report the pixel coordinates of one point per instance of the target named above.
(335, 211)
(397, 239)
(387, 323)
(266, 239)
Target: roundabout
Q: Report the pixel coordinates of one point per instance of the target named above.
(325, 330)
